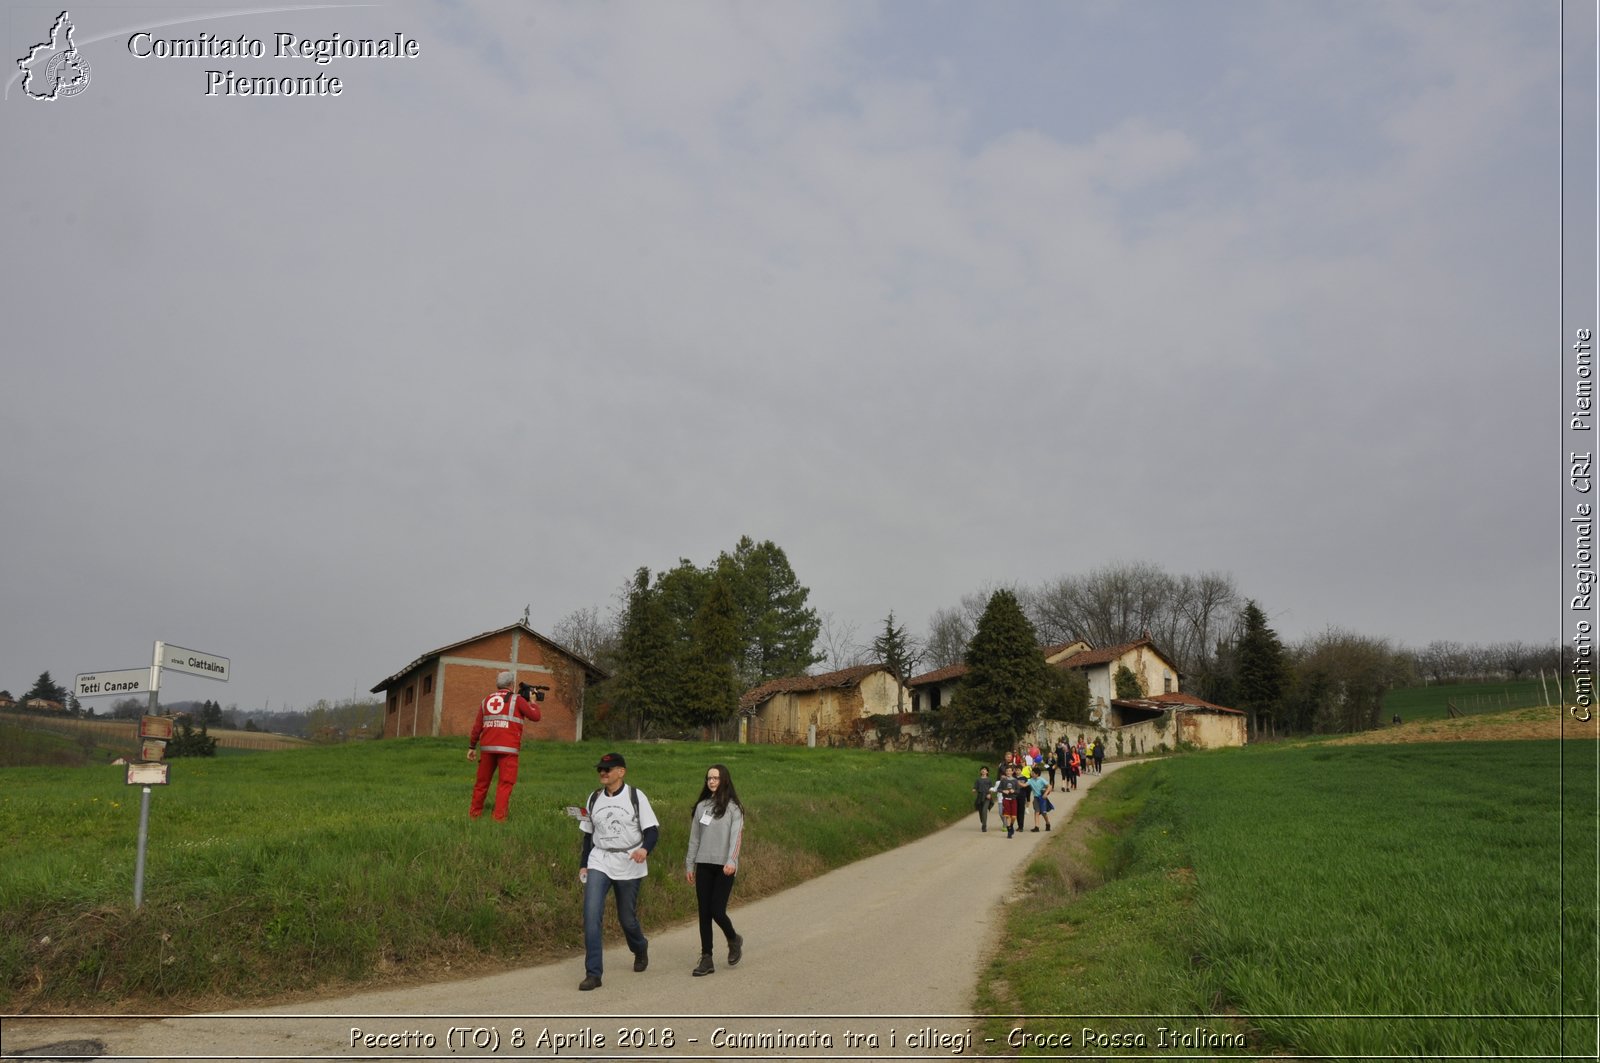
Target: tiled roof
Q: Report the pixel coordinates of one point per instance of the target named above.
(938, 675)
(595, 671)
(844, 677)
(1108, 654)
(1174, 700)
(956, 671)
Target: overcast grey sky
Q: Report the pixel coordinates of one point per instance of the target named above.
(934, 295)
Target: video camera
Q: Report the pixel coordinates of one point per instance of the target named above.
(531, 692)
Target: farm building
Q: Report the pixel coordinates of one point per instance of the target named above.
(439, 693)
(1141, 725)
(1156, 671)
(933, 690)
(785, 711)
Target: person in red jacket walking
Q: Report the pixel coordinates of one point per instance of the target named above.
(497, 735)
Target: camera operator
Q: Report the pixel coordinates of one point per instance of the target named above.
(499, 730)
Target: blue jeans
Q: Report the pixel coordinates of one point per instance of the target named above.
(594, 914)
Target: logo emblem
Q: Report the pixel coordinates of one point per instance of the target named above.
(55, 69)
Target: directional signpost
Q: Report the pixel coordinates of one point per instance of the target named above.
(206, 665)
(125, 681)
(154, 730)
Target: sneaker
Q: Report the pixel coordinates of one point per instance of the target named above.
(641, 959)
(591, 982)
(735, 950)
(1034, 831)
(1047, 828)
(706, 966)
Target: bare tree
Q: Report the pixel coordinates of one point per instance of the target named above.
(1185, 615)
(1115, 603)
(1443, 659)
(951, 629)
(1512, 659)
(588, 634)
(837, 641)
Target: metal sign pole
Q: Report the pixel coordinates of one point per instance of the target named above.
(155, 677)
(144, 833)
(144, 800)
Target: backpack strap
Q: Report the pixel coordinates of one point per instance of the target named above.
(633, 793)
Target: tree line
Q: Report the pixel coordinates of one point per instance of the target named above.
(1227, 652)
(684, 642)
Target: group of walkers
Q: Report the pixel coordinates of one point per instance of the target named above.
(1026, 779)
(620, 830)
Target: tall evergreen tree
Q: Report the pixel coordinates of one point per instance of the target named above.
(778, 630)
(46, 688)
(710, 681)
(680, 636)
(682, 591)
(1261, 668)
(648, 680)
(1008, 684)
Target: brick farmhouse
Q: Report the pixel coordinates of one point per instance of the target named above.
(439, 693)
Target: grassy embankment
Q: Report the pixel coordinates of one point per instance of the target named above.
(1352, 901)
(275, 873)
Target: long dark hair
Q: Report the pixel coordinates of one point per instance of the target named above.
(724, 795)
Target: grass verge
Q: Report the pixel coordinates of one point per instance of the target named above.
(1350, 901)
(281, 872)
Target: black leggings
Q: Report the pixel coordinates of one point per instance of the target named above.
(712, 888)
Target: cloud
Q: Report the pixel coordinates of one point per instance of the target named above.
(590, 287)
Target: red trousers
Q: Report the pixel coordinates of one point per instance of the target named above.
(487, 764)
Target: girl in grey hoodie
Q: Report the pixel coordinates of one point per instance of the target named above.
(715, 835)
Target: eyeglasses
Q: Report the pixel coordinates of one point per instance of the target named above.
(605, 771)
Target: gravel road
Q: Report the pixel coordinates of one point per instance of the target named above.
(879, 958)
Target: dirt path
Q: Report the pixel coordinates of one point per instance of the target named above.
(886, 949)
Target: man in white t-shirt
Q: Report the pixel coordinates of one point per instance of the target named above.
(619, 830)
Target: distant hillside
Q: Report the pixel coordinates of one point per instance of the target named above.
(58, 738)
(1540, 722)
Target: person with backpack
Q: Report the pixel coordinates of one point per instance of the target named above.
(619, 831)
(496, 742)
(716, 833)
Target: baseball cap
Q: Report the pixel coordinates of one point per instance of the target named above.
(611, 760)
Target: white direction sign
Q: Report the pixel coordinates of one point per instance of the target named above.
(124, 681)
(194, 662)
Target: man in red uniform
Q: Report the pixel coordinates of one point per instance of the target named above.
(499, 730)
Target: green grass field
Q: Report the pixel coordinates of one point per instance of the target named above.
(1302, 899)
(1470, 699)
(1321, 901)
(276, 872)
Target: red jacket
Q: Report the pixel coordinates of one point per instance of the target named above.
(499, 722)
